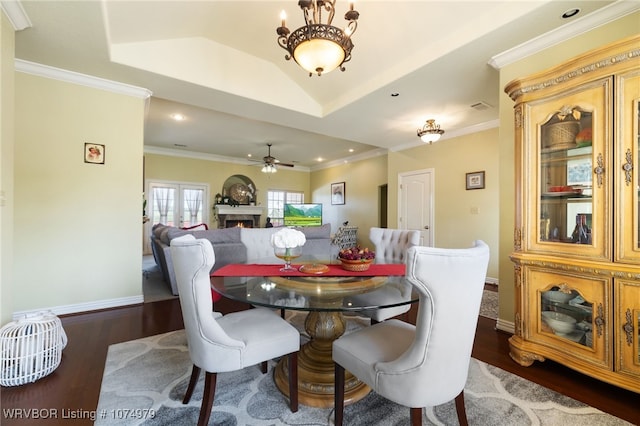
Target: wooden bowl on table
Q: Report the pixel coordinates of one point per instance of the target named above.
(358, 265)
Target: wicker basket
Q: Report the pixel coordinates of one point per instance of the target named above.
(356, 265)
(31, 348)
(561, 135)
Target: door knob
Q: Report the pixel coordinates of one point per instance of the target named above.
(426, 227)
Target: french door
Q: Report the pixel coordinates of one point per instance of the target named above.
(175, 204)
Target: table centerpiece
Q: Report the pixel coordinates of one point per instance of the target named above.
(356, 258)
(287, 245)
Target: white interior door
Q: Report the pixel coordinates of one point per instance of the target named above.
(415, 204)
(175, 204)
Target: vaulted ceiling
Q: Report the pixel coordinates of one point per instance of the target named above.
(218, 64)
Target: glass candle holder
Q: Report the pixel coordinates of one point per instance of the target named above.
(287, 254)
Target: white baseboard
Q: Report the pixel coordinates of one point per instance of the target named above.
(506, 326)
(490, 280)
(84, 307)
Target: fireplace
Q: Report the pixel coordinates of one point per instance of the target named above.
(240, 223)
(240, 216)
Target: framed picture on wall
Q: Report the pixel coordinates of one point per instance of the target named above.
(337, 193)
(475, 180)
(93, 153)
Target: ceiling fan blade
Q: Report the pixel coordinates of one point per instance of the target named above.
(284, 164)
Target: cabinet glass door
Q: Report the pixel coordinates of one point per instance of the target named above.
(566, 185)
(570, 151)
(627, 170)
(567, 312)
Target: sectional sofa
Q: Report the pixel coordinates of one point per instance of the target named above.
(237, 245)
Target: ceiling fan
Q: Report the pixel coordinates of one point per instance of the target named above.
(270, 162)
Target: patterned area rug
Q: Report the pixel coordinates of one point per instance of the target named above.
(489, 306)
(145, 380)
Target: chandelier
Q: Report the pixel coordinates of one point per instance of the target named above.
(269, 168)
(318, 47)
(430, 132)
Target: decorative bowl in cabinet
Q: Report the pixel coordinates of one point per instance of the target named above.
(560, 323)
(557, 296)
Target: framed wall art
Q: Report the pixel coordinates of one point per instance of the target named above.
(337, 193)
(475, 180)
(93, 153)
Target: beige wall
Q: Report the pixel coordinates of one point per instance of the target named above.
(7, 98)
(77, 225)
(214, 173)
(362, 181)
(555, 55)
(454, 223)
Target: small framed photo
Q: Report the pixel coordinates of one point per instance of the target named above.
(337, 193)
(475, 180)
(93, 153)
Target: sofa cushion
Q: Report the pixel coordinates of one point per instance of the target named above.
(164, 234)
(257, 241)
(215, 236)
(220, 236)
(227, 253)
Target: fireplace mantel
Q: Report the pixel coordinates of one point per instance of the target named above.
(228, 213)
(225, 209)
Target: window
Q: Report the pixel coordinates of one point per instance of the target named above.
(276, 201)
(177, 204)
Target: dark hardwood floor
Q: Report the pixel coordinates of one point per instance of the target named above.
(71, 392)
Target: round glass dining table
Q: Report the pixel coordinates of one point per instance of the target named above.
(326, 299)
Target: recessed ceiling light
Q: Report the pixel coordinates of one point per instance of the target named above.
(570, 13)
(178, 117)
(351, 149)
(248, 155)
(319, 160)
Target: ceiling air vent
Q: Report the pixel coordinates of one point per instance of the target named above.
(480, 106)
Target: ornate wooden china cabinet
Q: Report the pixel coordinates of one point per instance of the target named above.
(577, 235)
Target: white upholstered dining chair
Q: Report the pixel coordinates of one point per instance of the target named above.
(221, 343)
(426, 364)
(391, 246)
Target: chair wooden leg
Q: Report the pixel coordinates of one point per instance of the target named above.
(263, 367)
(282, 313)
(207, 398)
(195, 373)
(339, 394)
(462, 413)
(293, 381)
(416, 416)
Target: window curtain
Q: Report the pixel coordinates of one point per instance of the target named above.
(161, 196)
(193, 201)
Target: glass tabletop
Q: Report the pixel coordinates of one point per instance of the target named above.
(318, 293)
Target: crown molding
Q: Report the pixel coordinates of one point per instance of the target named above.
(81, 79)
(579, 26)
(169, 152)
(364, 156)
(16, 14)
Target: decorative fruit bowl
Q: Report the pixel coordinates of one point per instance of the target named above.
(356, 259)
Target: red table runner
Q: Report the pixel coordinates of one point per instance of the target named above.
(260, 270)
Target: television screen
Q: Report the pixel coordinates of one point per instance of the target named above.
(303, 214)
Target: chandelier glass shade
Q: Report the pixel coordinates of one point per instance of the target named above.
(269, 168)
(430, 132)
(319, 47)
